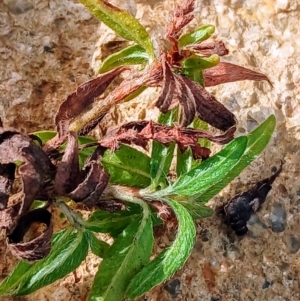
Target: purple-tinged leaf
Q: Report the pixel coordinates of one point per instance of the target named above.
(226, 73)
(31, 239)
(209, 109)
(79, 100)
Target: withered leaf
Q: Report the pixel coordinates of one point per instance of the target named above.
(7, 176)
(35, 170)
(86, 185)
(186, 99)
(140, 132)
(209, 109)
(241, 206)
(164, 100)
(84, 95)
(38, 243)
(91, 188)
(182, 15)
(208, 48)
(226, 73)
(67, 173)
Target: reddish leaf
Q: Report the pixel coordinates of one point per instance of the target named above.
(209, 109)
(35, 169)
(7, 176)
(208, 48)
(95, 181)
(186, 99)
(37, 244)
(141, 132)
(226, 73)
(67, 173)
(164, 100)
(182, 15)
(84, 95)
(86, 185)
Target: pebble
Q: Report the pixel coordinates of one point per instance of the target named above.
(278, 218)
(173, 287)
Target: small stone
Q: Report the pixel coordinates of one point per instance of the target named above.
(18, 7)
(278, 218)
(267, 284)
(293, 244)
(48, 49)
(173, 287)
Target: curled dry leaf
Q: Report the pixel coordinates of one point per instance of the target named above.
(35, 171)
(86, 185)
(209, 109)
(226, 73)
(140, 132)
(193, 98)
(182, 15)
(7, 176)
(241, 206)
(206, 49)
(79, 100)
(31, 239)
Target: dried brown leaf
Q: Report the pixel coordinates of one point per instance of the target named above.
(164, 100)
(7, 176)
(182, 15)
(67, 174)
(31, 239)
(208, 48)
(140, 132)
(226, 73)
(95, 181)
(35, 170)
(186, 99)
(84, 95)
(209, 109)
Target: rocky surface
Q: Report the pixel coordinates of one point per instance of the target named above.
(47, 48)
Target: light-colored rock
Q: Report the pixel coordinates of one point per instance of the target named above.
(47, 48)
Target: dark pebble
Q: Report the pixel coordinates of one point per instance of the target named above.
(215, 298)
(278, 218)
(48, 49)
(173, 287)
(267, 284)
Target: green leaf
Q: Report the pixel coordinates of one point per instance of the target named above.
(127, 166)
(45, 135)
(185, 161)
(38, 204)
(161, 156)
(122, 22)
(200, 179)
(9, 283)
(132, 55)
(66, 255)
(196, 209)
(196, 62)
(257, 141)
(130, 252)
(98, 247)
(170, 260)
(113, 223)
(200, 34)
(194, 74)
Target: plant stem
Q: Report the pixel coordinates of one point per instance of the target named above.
(73, 217)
